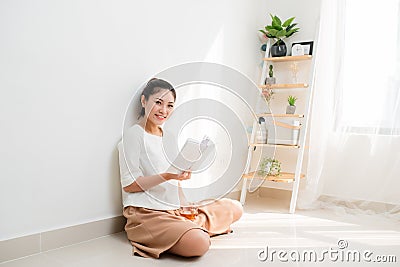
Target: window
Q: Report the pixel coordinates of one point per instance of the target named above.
(370, 98)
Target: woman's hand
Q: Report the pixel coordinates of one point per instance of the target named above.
(180, 177)
(186, 175)
(146, 182)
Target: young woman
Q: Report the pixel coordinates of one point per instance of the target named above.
(151, 196)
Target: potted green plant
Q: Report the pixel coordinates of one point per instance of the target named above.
(269, 167)
(271, 79)
(291, 108)
(278, 31)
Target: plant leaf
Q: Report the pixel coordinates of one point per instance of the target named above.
(288, 22)
(292, 100)
(291, 32)
(275, 24)
(278, 20)
(281, 33)
(291, 27)
(273, 32)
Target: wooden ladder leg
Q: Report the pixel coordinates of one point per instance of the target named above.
(248, 163)
(243, 193)
(302, 140)
(295, 192)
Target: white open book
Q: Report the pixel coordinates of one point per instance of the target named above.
(195, 155)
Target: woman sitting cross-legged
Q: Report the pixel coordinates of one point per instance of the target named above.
(151, 202)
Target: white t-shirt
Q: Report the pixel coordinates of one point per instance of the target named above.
(141, 154)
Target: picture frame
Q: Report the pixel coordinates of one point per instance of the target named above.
(308, 46)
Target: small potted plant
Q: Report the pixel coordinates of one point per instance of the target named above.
(269, 167)
(271, 79)
(291, 108)
(278, 31)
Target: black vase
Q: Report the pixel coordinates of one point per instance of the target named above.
(278, 49)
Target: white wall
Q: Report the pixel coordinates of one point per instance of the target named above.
(67, 72)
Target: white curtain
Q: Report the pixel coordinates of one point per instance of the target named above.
(354, 142)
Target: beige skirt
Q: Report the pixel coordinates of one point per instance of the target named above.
(152, 232)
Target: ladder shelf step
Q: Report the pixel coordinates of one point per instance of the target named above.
(284, 85)
(280, 115)
(288, 58)
(274, 145)
(284, 177)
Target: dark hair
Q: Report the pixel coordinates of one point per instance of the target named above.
(154, 86)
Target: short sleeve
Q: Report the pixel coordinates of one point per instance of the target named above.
(129, 157)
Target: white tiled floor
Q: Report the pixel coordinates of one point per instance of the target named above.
(265, 223)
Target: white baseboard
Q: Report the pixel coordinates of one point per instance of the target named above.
(32, 244)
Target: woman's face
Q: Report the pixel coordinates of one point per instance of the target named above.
(158, 107)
